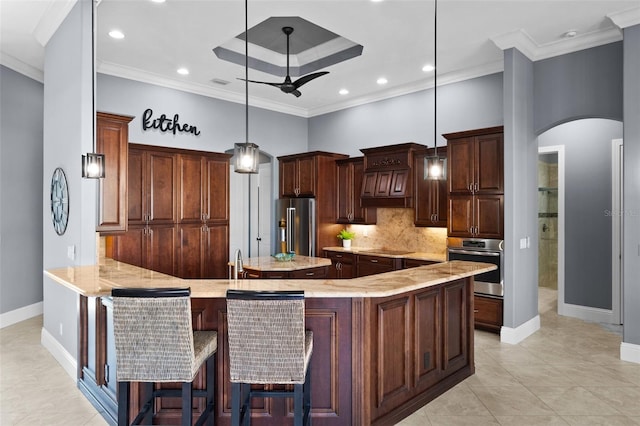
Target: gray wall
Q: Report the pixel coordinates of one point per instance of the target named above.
(221, 123)
(68, 133)
(631, 255)
(20, 197)
(521, 193)
(588, 197)
(560, 84)
(466, 105)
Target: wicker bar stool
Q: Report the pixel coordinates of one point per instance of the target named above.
(268, 344)
(155, 343)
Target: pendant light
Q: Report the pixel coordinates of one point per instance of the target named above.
(93, 163)
(246, 154)
(435, 167)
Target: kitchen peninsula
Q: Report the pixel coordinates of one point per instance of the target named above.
(384, 345)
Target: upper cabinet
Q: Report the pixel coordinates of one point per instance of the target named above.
(476, 183)
(350, 175)
(388, 179)
(476, 161)
(430, 195)
(112, 139)
(300, 173)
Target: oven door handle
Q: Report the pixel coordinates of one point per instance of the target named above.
(476, 253)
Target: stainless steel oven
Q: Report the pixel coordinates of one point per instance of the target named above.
(481, 250)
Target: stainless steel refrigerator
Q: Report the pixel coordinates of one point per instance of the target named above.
(296, 222)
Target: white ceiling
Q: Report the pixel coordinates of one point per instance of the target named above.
(397, 35)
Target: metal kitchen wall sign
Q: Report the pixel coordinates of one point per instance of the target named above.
(165, 124)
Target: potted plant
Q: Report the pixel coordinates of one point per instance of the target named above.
(346, 237)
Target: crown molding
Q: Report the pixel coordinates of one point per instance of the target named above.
(198, 89)
(51, 19)
(21, 67)
(521, 40)
(625, 18)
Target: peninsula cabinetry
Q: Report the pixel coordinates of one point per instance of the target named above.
(350, 174)
(112, 139)
(371, 265)
(476, 183)
(178, 212)
(342, 264)
(430, 195)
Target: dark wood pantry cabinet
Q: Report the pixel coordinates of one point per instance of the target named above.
(350, 175)
(430, 195)
(178, 212)
(476, 183)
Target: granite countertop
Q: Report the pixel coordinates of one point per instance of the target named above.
(98, 280)
(402, 254)
(269, 263)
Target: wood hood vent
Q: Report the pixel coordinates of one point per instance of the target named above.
(388, 175)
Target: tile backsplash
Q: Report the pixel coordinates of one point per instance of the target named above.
(395, 231)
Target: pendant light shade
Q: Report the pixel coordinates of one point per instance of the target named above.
(247, 154)
(435, 167)
(246, 157)
(93, 166)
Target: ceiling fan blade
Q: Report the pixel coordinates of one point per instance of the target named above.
(262, 82)
(296, 93)
(307, 78)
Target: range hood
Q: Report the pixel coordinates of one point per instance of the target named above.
(388, 175)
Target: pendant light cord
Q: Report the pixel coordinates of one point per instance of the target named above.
(246, 71)
(435, 73)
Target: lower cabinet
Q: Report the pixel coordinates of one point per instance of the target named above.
(151, 247)
(202, 251)
(413, 263)
(488, 312)
(370, 265)
(308, 273)
(341, 264)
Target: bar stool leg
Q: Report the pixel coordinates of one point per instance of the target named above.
(211, 382)
(298, 408)
(235, 404)
(307, 397)
(186, 404)
(123, 403)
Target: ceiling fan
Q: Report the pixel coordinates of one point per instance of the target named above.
(288, 86)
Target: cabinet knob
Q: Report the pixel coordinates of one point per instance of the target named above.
(374, 261)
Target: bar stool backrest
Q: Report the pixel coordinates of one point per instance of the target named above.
(153, 335)
(266, 337)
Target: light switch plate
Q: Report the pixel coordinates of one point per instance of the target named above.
(523, 243)
(71, 252)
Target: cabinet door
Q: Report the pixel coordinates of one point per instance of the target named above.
(306, 170)
(136, 194)
(383, 184)
(488, 313)
(191, 242)
(216, 189)
(369, 184)
(288, 178)
(460, 158)
(344, 192)
(161, 188)
(430, 197)
(217, 251)
(489, 164)
(129, 247)
(112, 140)
(455, 327)
(161, 249)
(399, 183)
(460, 221)
(488, 212)
(190, 194)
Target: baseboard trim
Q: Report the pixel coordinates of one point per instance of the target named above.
(630, 352)
(64, 358)
(516, 335)
(587, 313)
(20, 314)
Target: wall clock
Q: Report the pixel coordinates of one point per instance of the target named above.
(59, 201)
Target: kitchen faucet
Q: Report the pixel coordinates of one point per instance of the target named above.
(237, 264)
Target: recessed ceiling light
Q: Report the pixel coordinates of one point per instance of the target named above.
(382, 80)
(117, 34)
(570, 34)
(343, 92)
(183, 71)
(428, 68)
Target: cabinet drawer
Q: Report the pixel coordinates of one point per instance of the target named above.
(412, 263)
(341, 257)
(311, 273)
(488, 313)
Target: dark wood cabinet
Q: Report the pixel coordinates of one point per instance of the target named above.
(305, 274)
(430, 195)
(476, 183)
(112, 139)
(488, 313)
(152, 186)
(178, 212)
(342, 264)
(370, 265)
(414, 263)
(350, 175)
(298, 177)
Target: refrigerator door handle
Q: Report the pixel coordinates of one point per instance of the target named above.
(291, 217)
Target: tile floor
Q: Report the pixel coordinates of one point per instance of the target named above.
(568, 373)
